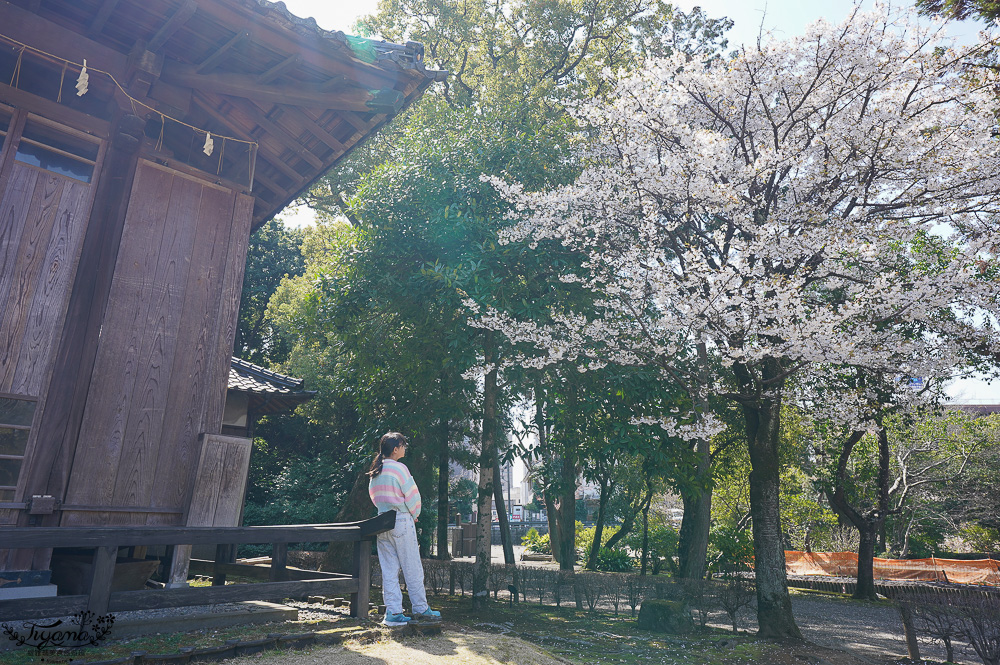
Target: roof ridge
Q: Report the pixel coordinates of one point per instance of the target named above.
(267, 374)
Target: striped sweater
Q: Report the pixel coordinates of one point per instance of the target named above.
(394, 489)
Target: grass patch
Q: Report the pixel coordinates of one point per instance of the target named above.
(585, 637)
(168, 643)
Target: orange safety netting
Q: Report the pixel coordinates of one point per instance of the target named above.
(845, 564)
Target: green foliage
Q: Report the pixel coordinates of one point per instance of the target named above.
(662, 542)
(980, 538)
(585, 537)
(462, 493)
(535, 542)
(729, 549)
(614, 560)
(273, 254)
(960, 10)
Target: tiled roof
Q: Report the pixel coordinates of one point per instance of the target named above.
(269, 391)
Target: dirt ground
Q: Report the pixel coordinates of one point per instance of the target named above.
(455, 647)
(449, 648)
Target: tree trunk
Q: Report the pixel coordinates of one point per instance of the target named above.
(566, 524)
(481, 568)
(505, 536)
(645, 535)
(339, 556)
(629, 520)
(692, 545)
(504, 522)
(444, 462)
(552, 515)
(602, 505)
(550, 505)
(763, 419)
(871, 522)
(866, 562)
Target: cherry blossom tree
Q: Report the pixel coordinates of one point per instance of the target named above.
(825, 201)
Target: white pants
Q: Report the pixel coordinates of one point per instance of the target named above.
(398, 550)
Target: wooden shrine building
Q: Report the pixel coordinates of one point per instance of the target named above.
(140, 143)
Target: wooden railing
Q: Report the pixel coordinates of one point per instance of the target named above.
(283, 583)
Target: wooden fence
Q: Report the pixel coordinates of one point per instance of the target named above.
(282, 582)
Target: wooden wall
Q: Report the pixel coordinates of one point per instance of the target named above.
(159, 379)
(43, 220)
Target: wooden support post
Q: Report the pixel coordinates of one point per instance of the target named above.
(912, 649)
(279, 562)
(102, 572)
(223, 553)
(179, 563)
(361, 570)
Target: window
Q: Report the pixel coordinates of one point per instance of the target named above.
(16, 414)
(59, 152)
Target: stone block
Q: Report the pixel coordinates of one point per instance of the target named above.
(665, 616)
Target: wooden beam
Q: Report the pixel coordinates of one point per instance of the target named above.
(357, 122)
(209, 63)
(314, 127)
(278, 70)
(61, 42)
(103, 14)
(256, 115)
(262, 573)
(361, 571)
(54, 111)
(126, 601)
(241, 85)
(173, 24)
(40, 608)
(100, 536)
(279, 562)
(102, 572)
(208, 107)
(270, 184)
(278, 163)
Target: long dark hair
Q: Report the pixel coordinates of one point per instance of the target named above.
(388, 443)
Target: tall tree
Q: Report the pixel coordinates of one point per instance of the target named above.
(274, 253)
(502, 112)
(778, 207)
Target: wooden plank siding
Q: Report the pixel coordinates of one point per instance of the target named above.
(222, 475)
(163, 356)
(101, 439)
(190, 375)
(43, 219)
(55, 278)
(228, 314)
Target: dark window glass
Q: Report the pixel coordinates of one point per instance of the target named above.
(16, 411)
(13, 441)
(54, 151)
(6, 495)
(9, 468)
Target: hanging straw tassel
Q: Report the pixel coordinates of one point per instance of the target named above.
(83, 81)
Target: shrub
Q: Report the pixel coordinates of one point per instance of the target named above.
(585, 537)
(615, 560)
(535, 542)
(662, 542)
(729, 549)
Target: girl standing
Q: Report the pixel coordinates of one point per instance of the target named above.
(392, 488)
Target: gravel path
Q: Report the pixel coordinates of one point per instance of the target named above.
(870, 630)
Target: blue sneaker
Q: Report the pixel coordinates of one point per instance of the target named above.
(427, 615)
(396, 619)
